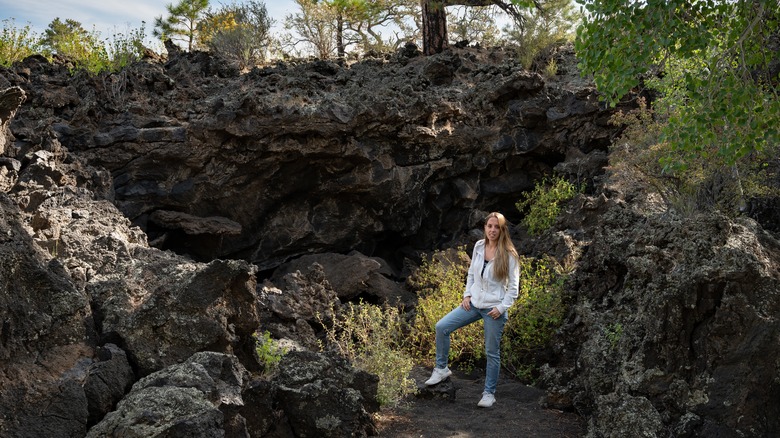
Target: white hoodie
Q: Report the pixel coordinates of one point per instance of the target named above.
(485, 291)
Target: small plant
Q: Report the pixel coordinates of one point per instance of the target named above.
(17, 43)
(614, 333)
(268, 352)
(543, 30)
(551, 69)
(122, 49)
(543, 203)
(371, 337)
(537, 313)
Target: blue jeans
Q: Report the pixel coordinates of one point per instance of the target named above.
(460, 317)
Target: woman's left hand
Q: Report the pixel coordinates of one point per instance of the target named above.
(494, 313)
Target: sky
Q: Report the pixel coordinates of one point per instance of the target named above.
(110, 16)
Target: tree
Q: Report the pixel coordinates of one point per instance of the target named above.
(362, 19)
(182, 22)
(82, 49)
(314, 26)
(434, 18)
(714, 63)
(330, 27)
(240, 32)
(434, 26)
(475, 24)
(68, 39)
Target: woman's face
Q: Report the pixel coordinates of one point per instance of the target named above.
(492, 229)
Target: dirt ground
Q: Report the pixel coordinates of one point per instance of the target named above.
(449, 409)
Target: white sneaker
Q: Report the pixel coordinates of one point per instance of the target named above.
(487, 400)
(438, 375)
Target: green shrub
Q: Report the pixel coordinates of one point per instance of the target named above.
(371, 338)
(17, 43)
(536, 315)
(543, 30)
(543, 203)
(84, 50)
(440, 282)
(122, 49)
(240, 32)
(268, 352)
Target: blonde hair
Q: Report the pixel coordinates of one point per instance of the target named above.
(505, 247)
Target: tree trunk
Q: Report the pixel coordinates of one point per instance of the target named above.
(434, 26)
(340, 49)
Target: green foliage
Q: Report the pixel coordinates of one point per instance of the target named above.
(543, 29)
(371, 338)
(440, 282)
(17, 43)
(710, 60)
(537, 313)
(706, 183)
(69, 41)
(239, 32)
(268, 352)
(85, 50)
(551, 69)
(73, 43)
(613, 333)
(182, 22)
(122, 49)
(544, 203)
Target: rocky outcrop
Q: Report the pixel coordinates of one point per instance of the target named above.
(161, 308)
(46, 338)
(313, 157)
(10, 100)
(197, 397)
(87, 307)
(674, 328)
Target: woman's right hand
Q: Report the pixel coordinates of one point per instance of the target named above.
(466, 303)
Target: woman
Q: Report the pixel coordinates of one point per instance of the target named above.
(491, 288)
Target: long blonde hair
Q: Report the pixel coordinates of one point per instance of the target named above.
(505, 247)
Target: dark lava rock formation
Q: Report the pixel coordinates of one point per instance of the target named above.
(154, 220)
(311, 157)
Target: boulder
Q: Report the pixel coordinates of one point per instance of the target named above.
(198, 397)
(324, 396)
(354, 276)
